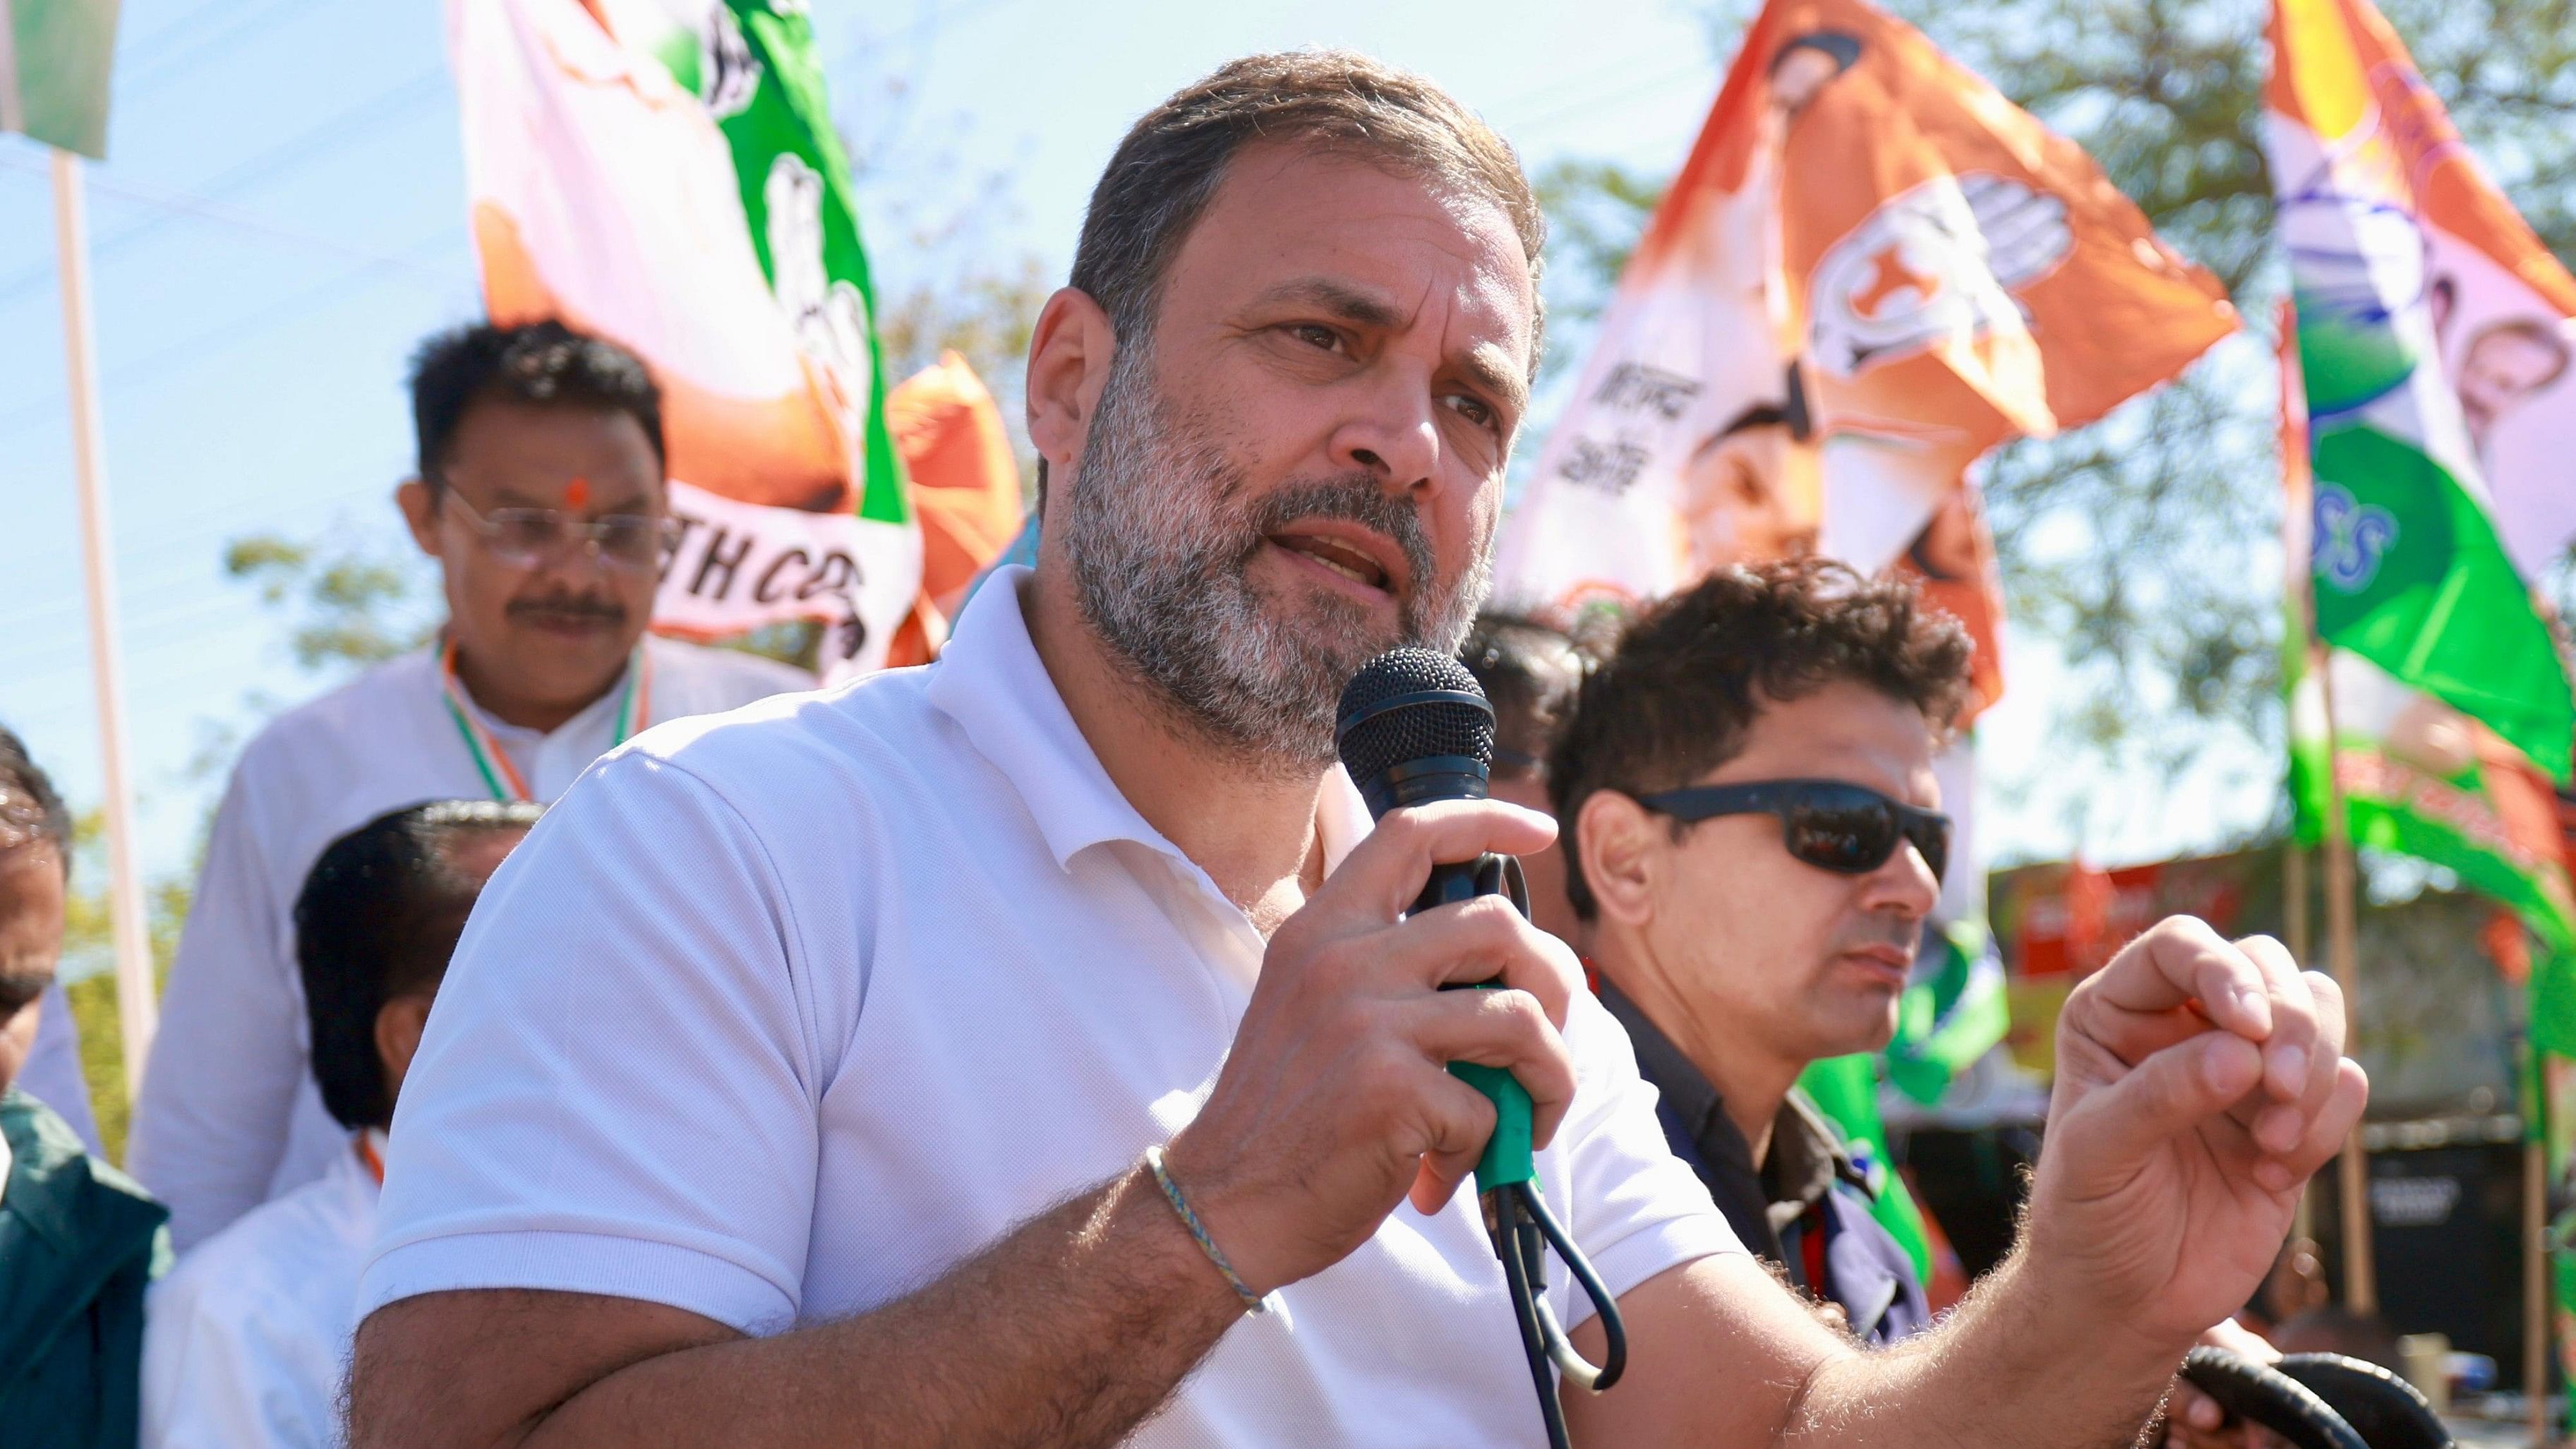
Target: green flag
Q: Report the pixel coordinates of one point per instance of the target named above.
(2418, 775)
(54, 59)
(2390, 229)
(753, 63)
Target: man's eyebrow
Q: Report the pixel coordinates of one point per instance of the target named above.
(1341, 299)
(1484, 367)
(1481, 364)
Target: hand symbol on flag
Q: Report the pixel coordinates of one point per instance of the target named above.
(2025, 229)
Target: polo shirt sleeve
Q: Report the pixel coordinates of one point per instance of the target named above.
(617, 1090)
(1634, 1208)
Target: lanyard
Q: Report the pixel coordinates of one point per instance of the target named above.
(371, 1155)
(500, 776)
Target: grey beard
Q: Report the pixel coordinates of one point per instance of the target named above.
(1160, 541)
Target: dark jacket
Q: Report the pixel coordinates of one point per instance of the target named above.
(1806, 1208)
(79, 1241)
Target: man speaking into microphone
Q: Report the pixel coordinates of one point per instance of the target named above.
(1032, 1049)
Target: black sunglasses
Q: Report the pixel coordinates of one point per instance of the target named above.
(1830, 824)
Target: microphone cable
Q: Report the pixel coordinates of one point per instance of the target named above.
(1523, 1229)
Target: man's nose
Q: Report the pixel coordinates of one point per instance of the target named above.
(1392, 434)
(1905, 884)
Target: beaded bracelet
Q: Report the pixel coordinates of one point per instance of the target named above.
(1252, 1302)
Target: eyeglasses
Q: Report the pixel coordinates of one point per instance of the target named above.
(1830, 824)
(528, 538)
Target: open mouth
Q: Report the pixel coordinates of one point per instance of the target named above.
(1341, 556)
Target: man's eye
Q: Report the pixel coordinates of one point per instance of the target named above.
(1317, 334)
(1474, 410)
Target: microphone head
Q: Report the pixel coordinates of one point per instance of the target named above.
(1410, 706)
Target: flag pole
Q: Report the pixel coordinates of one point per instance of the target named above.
(2535, 1249)
(137, 1013)
(2352, 1166)
(2294, 921)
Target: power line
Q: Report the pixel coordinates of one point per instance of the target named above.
(301, 149)
(158, 43)
(215, 339)
(198, 208)
(139, 70)
(1612, 101)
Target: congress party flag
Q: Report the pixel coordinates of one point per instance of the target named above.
(1872, 269)
(2415, 775)
(2433, 334)
(54, 62)
(667, 175)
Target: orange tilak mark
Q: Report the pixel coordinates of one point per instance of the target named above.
(577, 492)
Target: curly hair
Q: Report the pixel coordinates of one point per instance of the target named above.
(1691, 674)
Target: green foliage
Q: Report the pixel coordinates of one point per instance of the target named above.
(348, 605)
(1596, 210)
(89, 954)
(2145, 547)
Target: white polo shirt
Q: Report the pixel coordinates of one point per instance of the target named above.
(781, 1014)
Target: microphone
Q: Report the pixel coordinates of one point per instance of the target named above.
(1415, 727)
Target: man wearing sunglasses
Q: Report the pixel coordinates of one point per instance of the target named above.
(540, 494)
(1749, 818)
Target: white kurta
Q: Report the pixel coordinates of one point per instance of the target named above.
(245, 1341)
(229, 1116)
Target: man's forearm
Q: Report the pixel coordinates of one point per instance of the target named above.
(2007, 1367)
(1068, 1332)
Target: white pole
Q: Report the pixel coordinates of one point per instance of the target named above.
(136, 1008)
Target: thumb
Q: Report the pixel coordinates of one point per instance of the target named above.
(2170, 1093)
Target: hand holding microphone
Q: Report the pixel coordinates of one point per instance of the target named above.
(1358, 1070)
(1335, 1101)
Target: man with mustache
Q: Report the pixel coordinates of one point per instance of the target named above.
(1738, 947)
(540, 493)
(1033, 1049)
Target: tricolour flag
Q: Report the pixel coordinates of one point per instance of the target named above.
(2433, 336)
(2417, 776)
(54, 61)
(675, 184)
(1872, 269)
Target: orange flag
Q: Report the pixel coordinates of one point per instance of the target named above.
(965, 491)
(1872, 269)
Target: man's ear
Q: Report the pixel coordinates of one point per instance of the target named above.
(399, 1023)
(1616, 839)
(1069, 356)
(419, 507)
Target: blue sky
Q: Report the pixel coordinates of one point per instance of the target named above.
(282, 217)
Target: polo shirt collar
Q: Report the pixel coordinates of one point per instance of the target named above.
(991, 682)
